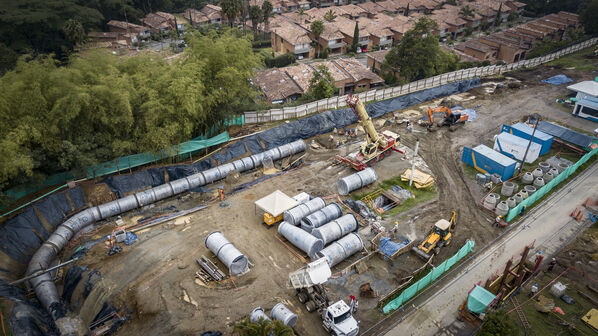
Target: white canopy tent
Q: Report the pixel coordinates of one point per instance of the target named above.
(276, 203)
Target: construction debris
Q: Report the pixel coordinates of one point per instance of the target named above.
(421, 180)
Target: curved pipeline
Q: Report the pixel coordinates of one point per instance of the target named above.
(44, 287)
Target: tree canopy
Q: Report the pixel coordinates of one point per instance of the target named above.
(321, 85)
(99, 107)
(589, 17)
(419, 54)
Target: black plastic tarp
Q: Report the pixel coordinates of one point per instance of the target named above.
(22, 235)
(124, 184)
(565, 134)
(27, 317)
(235, 150)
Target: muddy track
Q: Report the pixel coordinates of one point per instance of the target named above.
(442, 157)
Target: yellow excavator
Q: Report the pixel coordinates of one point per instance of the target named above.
(377, 145)
(440, 235)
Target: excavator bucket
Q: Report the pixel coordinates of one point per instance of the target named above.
(420, 253)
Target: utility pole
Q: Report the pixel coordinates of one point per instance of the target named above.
(537, 117)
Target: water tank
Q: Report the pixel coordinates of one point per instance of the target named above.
(282, 313)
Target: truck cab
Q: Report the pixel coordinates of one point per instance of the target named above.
(339, 321)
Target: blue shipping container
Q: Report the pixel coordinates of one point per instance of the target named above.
(489, 161)
(525, 132)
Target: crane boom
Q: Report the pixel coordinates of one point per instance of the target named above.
(365, 121)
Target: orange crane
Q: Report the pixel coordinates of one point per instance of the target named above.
(450, 118)
(377, 145)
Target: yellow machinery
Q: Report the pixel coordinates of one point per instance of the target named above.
(439, 236)
(377, 145)
(274, 205)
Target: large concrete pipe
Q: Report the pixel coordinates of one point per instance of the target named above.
(44, 286)
(342, 249)
(336, 229)
(296, 214)
(303, 240)
(226, 252)
(258, 314)
(327, 214)
(356, 181)
(282, 313)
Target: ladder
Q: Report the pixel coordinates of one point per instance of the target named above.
(520, 313)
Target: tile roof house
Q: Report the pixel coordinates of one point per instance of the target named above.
(125, 27)
(291, 38)
(376, 59)
(363, 79)
(277, 86)
(157, 23)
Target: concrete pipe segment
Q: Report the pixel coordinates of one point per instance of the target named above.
(336, 229)
(554, 171)
(356, 181)
(258, 314)
(561, 167)
(327, 214)
(530, 189)
(537, 173)
(282, 313)
(548, 177)
(490, 201)
(518, 197)
(502, 208)
(507, 188)
(44, 286)
(226, 252)
(545, 166)
(301, 239)
(296, 214)
(524, 193)
(527, 178)
(342, 249)
(538, 182)
(511, 202)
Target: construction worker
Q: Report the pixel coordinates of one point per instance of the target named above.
(551, 264)
(533, 290)
(409, 127)
(394, 230)
(522, 211)
(353, 303)
(221, 193)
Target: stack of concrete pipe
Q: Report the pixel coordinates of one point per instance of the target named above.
(325, 215)
(508, 188)
(336, 229)
(226, 252)
(342, 249)
(502, 208)
(356, 181)
(296, 214)
(544, 166)
(527, 178)
(491, 200)
(282, 313)
(44, 286)
(301, 239)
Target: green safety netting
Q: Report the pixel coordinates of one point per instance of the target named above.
(182, 151)
(479, 299)
(548, 186)
(429, 278)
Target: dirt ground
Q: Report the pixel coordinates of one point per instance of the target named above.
(153, 280)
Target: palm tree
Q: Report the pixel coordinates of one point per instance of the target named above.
(266, 12)
(231, 9)
(317, 28)
(74, 31)
(255, 14)
(466, 11)
(330, 16)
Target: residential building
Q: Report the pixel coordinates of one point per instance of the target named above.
(332, 38)
(277, 86)
(125, 27)
(292, 38)
(363, 79)
(341, 78)
(376, 59)
(157, 23)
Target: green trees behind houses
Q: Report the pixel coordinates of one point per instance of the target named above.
(99, 107)
(419, 54)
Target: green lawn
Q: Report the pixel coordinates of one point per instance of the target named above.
(421, 195)
(576, 60)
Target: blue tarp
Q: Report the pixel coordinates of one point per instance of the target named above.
(557, 80)
(388, 247)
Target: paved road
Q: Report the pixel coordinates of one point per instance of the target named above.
(549, 225)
